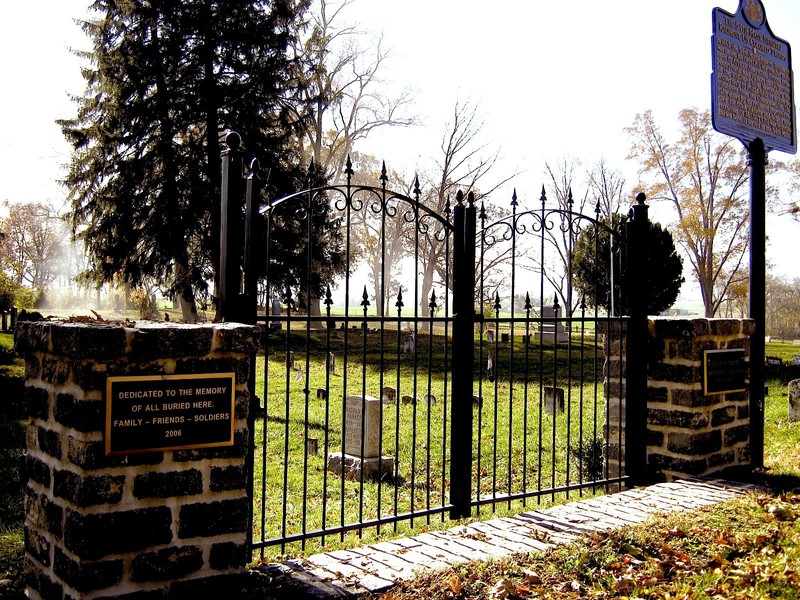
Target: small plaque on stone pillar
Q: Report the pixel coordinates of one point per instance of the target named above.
(723, 371)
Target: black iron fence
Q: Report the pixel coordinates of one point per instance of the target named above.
(421, 362)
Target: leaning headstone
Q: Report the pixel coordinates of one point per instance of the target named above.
(362, 433)
(389, 395)
(430, 399)
(408, 400)
(554, 400)
(477, 401)
(322, 394)
(794, 400)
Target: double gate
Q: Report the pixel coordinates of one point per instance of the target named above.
(421, 364)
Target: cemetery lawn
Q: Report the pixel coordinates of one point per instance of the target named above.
(745, 548)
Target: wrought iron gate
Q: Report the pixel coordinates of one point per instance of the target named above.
(466, 368)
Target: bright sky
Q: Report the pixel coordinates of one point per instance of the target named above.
(550, 79)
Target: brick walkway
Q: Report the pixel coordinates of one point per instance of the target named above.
(378, 567)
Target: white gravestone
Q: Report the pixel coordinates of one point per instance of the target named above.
(551, 329)
(362, 423)
(362, 416)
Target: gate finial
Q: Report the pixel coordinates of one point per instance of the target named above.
(365, 299)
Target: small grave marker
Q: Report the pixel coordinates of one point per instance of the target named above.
(554, 400)
(409, 342)
(389, 395)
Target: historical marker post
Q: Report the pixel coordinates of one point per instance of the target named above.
(752, 99)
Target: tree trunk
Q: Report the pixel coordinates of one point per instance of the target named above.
(185, 294)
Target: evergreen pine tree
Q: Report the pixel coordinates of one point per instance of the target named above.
(164, 81)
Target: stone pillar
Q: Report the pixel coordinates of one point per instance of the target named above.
(154, 523)
(689, 433)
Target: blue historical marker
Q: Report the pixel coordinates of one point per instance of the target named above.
(752, 83)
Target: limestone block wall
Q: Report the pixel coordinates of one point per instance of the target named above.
(689, 433)
(154, 523)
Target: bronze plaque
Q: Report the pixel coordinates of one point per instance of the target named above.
(723, 371)
(169, 412)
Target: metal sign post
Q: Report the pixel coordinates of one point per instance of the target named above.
(752, 99)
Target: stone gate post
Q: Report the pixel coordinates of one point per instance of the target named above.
(109, 511)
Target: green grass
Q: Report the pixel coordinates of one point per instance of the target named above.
(12, 443)
(532, 450)
(781, 456)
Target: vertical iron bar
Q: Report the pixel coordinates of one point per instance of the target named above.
(230, 245)
(635, 359)
(306, 391)
(429, 405)
(345, 363)
(446, 350)
(397, 397)
(249, 310)
(758, 160)
(481, 304)
(495, 393)
(381, 312)
(287, 419)
(463, 356)
(541, 343)
(525, 397)
(364, 335)
(326, 444)
(511, 349)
